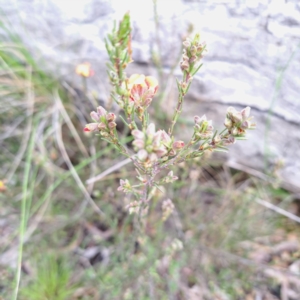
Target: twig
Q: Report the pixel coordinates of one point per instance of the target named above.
(109, 170)
(278, 210)
(72, 127)
(71, 167)
(235, 165)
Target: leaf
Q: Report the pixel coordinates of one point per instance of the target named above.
(221, 150)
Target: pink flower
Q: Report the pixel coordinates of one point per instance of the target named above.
(94, 116)
(91, 127)
(137, 134)
(178, 145)
(142, 89)
(101, 111)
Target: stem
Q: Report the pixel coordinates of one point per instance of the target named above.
(182, 92)
(138, 219)
(84, 85)
(144, 122)
(22, 228)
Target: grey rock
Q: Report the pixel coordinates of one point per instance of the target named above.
(253, 59)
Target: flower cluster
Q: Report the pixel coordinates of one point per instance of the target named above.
(104, 122)
(192, 53)
(203, 128)
(238, 122)
(152, 145)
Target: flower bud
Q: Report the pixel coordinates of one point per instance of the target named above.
(110, 117)
(150, 130)
(137, 134)
(178, 145)
(199, 48)
(153, 157)
(91, 127)
(157, 139)
(193, 59)
(197, 127)
(184, 65)
(104, 134)
(183, 85)
(186, 44)
(245, 125)
(185, 57)
(234, 131)
(142, 154)
(193, 50)
(199, 120)
(101, 126)
(172, 152)
(124, 186)
(112, 125)
(217, 139)
(230, 140)
(94, 116)
(246, 112)
(231, 110)
(170, 177)
(228, 123)
(165, 137)
(237, 117)
(161, 151)
(101, 111)
(139, 144)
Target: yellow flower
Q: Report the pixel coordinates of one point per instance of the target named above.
(84, 70)
(2, 186)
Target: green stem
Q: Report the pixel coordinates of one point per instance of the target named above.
(23, 213)
(182, 92)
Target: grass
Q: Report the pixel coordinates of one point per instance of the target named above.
(64, 239)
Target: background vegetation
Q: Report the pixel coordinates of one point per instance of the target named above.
(221, 243)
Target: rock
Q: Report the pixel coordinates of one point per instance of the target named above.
(253, 59)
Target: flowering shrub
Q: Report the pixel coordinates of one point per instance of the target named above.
(157, 150)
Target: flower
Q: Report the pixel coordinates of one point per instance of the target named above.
(84, 70)
(103, 121)
(238, 122)
(203, 128)
(91, 127)
(151, 145)
(170, 177)
(2, 186)
(125, 186)
(178, 145)
(142, 89)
